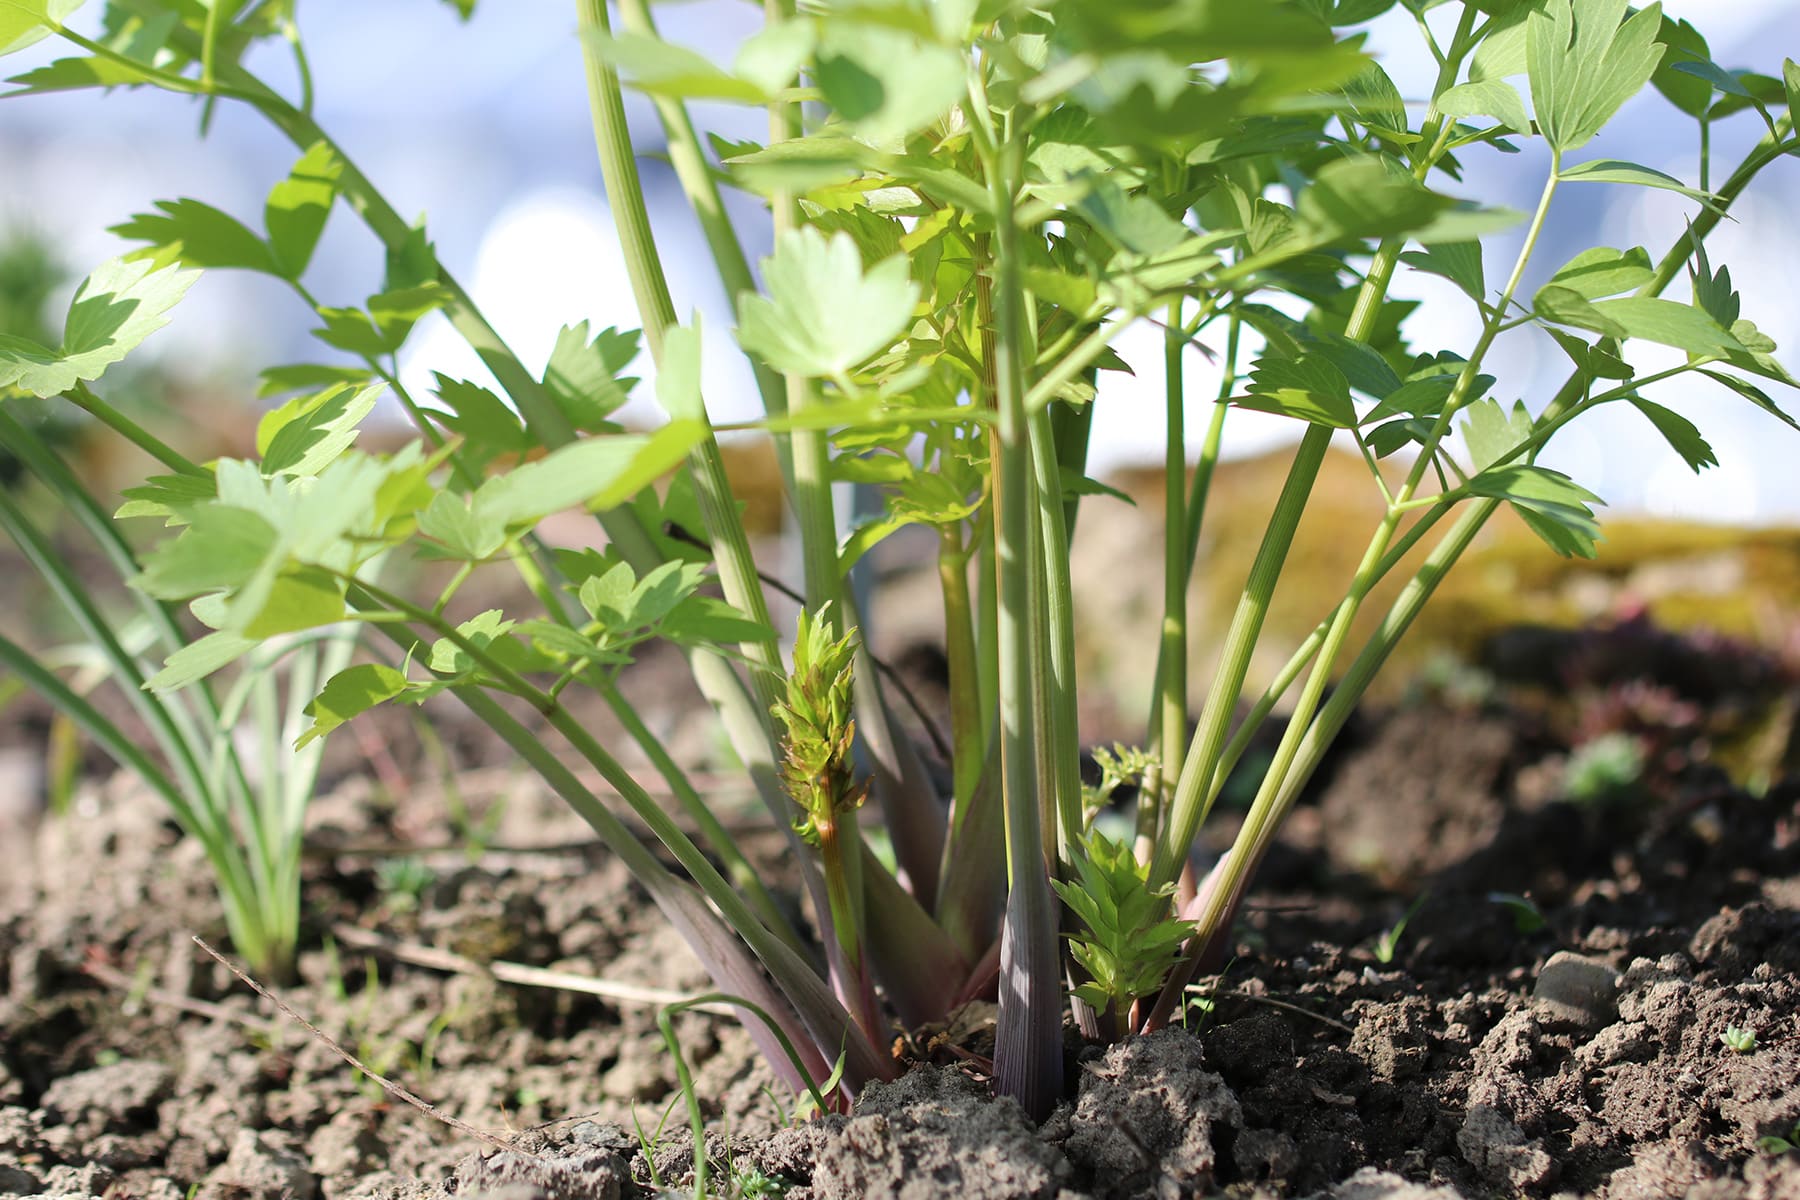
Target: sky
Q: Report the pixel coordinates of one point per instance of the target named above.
(484, 128)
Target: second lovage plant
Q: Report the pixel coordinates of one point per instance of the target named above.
(970, 199)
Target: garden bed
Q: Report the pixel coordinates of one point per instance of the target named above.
(1587, 1055)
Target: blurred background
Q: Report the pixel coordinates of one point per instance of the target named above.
(484, 128)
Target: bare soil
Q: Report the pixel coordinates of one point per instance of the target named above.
(1482, 1059)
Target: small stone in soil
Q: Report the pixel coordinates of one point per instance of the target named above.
(1573, 990)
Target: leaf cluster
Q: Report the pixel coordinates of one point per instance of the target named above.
(1129, 937)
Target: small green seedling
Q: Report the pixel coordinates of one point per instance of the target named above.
(402, 882)
(1776, 1144)
(1739, 1039)
(1388, 944)
(1603, 769)
(1527, 917)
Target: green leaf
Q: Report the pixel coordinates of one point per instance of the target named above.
(598, 472)
(23, 22)
(710, 621)
(823, 315)
(678, 377)
(772, 57)
(583, 375)
(308, 433)
(1554, 506)
(1501, 53)
(298, 206)
(1417, 397)
(1131, 221)
(1597, 361)
(1685, 45)
(1566, 306)
(1713, 292)
(116, 307)
(352, 331)
(663, 69)
(168, 496)
(1491, 432)
(885, 82)
(1600, 272)
(462, 532)
(1308, 387)
(73, 74)
(1459, 262)
(1584, 64)
(1487, 98)
(1612, 170)
(1682, 434)
(1363, 197)
(299, 597)
(1669, 323)
(350, 693)
(486, 631)
(396, 312)
(199, 235)
(480, 418)
(221, 548)
(198, 659)
(308, 377)
(799, 165)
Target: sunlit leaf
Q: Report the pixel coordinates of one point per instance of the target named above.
(350, 693)
(308, 433)
(1459, 262)
(23, 22)
(1584, 64)
(115, 309)
(1609, 170)
(822, 315)
(1308, 387)
(1487, 98)
(584, 374)
(298, 206)
(1601, 271)
(199, 235)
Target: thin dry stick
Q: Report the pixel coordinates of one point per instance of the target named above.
(389, 1086)
(434, 959)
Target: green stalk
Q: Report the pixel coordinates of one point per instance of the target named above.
(1169, 729)
(1194, 517)
(1265, 811)
(1059, 752)
(1028, 1055)
(84, 399)
(968, 727)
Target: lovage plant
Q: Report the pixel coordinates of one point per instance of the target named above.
(971, 200)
